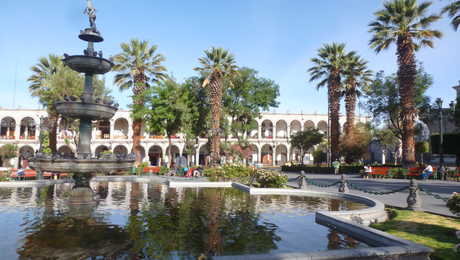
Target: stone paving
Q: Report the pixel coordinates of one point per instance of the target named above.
(429, 203)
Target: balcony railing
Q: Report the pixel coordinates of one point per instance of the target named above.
(27, 137)
(7, 137)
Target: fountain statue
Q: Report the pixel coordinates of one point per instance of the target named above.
(86, 109)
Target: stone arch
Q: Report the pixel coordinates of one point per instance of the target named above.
(281, 154)
(175, 152)
(267, 154)
(322, 126)
(155, 155)
(65, 151)
(267, 129)
(308, 125)
(295, 127)
(27, 128)
(7, 128)
(120, 150)
(204, 153)
(295, 155)
(254, 158)
(25, 153)
(100, 149)
(103, 129)
(120, 128)
(63, 129)
(281, 129)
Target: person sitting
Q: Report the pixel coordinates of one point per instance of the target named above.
(367, 171)
(427, 172)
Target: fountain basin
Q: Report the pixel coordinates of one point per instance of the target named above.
(81, 165)
(88, 64)
(93, 111)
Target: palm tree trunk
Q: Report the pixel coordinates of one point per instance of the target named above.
(137, 125)
(169, 151)
(350, 107)
(334, 104)
(216, 102)
(53, 133)
(138, 90)
(406, 79)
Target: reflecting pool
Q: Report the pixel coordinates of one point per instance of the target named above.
(152, 221)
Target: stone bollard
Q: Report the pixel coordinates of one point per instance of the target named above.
(343, 187)
(302, 183)
(414, 202)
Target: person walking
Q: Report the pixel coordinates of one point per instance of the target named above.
(336, 165)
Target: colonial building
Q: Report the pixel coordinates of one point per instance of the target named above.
(270, 142)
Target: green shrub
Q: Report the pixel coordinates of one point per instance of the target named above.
(163, 170)
(228, 172)
(8, 151)
(398, 173)
(140, 168)
(346, 169)
(271, 179)
(454, 203)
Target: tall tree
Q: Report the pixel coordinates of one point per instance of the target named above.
(196, 116)
(246, 99)
(406, 24)
(329, 68)
(453, 11)
(216, 66)
(50, 82)
(305, 140)
(137, 66)
(357, 75)
(383, 100)
(163, 109)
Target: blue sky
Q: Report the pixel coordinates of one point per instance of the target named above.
(276, 37)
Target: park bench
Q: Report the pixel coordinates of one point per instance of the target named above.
(415, 172)
(151, 169)
(379, 172)
(32, 174)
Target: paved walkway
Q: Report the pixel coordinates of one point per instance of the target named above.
(429, 203)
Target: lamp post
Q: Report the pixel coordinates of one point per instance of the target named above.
(441, 141)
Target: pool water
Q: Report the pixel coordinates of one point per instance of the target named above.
(151, 221)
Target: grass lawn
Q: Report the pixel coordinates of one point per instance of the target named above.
(424, 228)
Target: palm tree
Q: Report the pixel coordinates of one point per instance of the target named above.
(216, 66)
(356, 75)
(44, 85)
(138, 65)
(453, 10)
(329, 68)
(406, 24)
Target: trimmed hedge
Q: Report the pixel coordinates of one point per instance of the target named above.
(346, 169)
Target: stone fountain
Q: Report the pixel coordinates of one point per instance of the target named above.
(87, 109)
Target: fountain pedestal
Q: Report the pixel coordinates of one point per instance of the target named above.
(87, 109)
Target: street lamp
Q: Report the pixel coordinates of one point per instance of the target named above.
(441, 141)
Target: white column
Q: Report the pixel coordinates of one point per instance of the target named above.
(33, 196)
(163, 189)
(14, 196)
(112, 128)
(17, 131)
(127, 194)
(108, 200)
(197, 156)
(145, 192)
(259, 155)
(259, 131)
(274, 156)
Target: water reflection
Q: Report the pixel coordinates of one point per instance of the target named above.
(150, 221)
